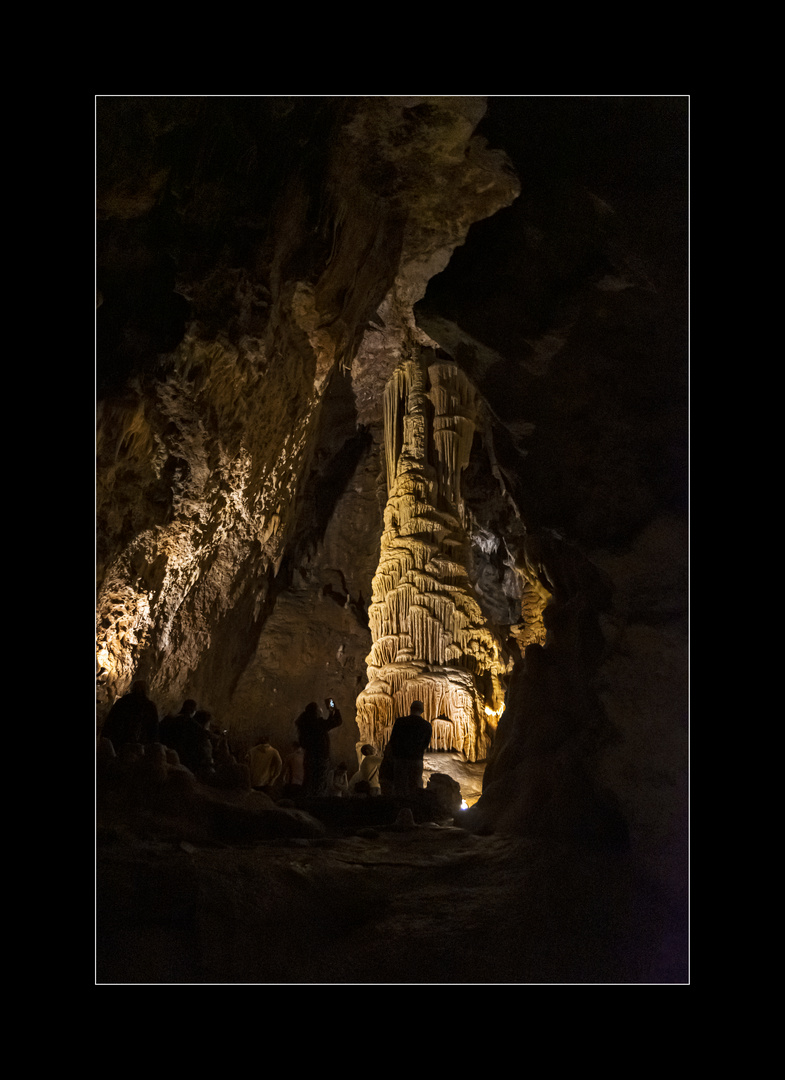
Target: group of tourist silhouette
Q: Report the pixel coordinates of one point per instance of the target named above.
(306, 770)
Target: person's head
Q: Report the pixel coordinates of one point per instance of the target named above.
(139, 687)
(264, 739)
(366, 750)
(418, 708)
(312, 711)
(189, 707)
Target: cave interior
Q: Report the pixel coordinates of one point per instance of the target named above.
(392, 405)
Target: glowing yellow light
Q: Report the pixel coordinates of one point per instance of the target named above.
(495, 712)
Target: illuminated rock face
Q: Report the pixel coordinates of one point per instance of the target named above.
(227, 458)
(307, 244)
(430, 640)
(291, 268)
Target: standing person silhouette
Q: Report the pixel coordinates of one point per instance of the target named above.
(133, 718)
(409, 740)
(313, 730)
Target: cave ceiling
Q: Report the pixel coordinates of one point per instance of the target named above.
(265, 264)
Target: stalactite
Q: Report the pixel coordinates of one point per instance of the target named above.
(430, 640)
(394, 397)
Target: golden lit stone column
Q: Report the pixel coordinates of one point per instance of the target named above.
(430, 639)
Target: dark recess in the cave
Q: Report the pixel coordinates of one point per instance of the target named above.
(593, 250)
(339, 447)
(324, 487)
(200, 181)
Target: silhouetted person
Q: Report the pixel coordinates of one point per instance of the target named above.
(314, 732)
(219, 737)
(229, 773)
(172, 727)
(409, 740)
(195, 747)
(132, 719)
(265, 764)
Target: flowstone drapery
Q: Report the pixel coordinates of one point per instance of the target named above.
(430, 639)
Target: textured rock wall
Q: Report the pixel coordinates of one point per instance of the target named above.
(283, 230)
(265, 266)
(226, 438)
(315, 639)
(431, 641)
(584, 376)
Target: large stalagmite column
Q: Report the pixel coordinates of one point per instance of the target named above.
(430, 639)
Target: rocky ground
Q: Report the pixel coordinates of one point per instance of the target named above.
(218, 893)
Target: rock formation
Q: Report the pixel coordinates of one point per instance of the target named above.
(391, 403)
(431, 641)
(205, 450)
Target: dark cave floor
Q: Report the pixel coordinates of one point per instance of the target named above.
(425, 905)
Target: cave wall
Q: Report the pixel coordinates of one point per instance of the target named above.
(585, 379)
(264, 265)
(294, 239)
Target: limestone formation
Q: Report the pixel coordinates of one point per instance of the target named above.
(377, 410)
(430, 639)
(205, 452)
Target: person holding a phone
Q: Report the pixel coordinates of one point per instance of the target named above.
(313, 730)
